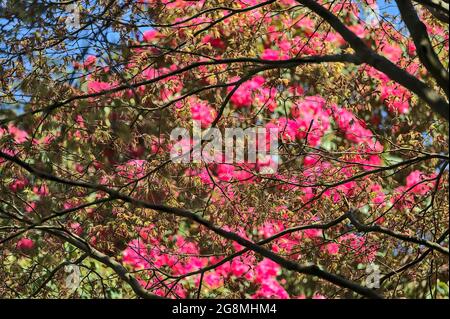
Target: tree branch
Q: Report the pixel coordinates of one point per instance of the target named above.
(289, 63)
(437, 103)
(425, 51)
(120, 270)
(438, 5)
(379, 229)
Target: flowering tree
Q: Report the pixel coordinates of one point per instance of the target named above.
(358, 91)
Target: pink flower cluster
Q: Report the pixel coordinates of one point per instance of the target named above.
(202, 112)
(133, 169)
(18, 135)
(417, 183)
(25, 245)
(311, 120)
(244, 95)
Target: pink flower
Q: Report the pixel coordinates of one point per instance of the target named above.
(90, 61)
(267, 268)
(238, 267)
(134, 254)
(213, 280)
(244, 95)
(152, 73)
(79, 168)
(41, 190)
(25, 245)
(271, 289)
(18, 184)
(156, 145)
(215, 42)
(332, 248)
(225, 172)
(355, 130)
(411, 48)
(98, 86)
(393, 53)
(416, 177)
(312, 233)
(30, 207)
(269, 54)
(311, 160)
(150, 35)
(76, 228)
(312, 119)
(132, 169)
(380, 197)
(288, 128)
(16, 133)
(202, 112)
(401, 106)
(359, 30)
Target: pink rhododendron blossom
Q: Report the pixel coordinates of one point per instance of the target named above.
(41, 190)
(18, 185)
(25, 245)
(98, 86)
(202, 112)
(90, 61)
(270, 54)
(332, 248)
(150, 35)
